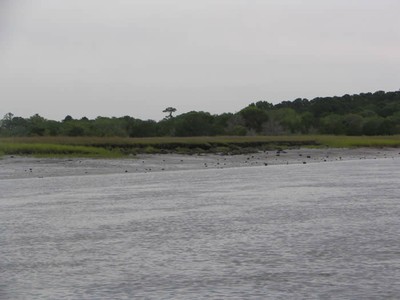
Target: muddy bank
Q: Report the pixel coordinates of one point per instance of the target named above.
(12, 167)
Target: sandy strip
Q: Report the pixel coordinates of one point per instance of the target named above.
(14, 167)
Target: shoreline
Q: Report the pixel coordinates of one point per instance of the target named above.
(19, 167)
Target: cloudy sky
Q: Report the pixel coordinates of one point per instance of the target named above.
(136, 57)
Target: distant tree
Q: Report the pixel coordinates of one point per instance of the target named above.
(170, 111)
(75, 130)
(388, 127)
(104, 126)
(265, 105)
(395, 119)
(139, 128)
(299, 105)
(6, 122)
(37, 125)
(389, 109)
(53, 128)
(254, 117)
(17, 126)
(195, 123)
(366, 113)
(307, 121)
(166, 127)
(221, 123)
(235, 125)
(372, 125)
(67, 118)
(272, 127)
(332, 124)
(353, 124)
(289, 119)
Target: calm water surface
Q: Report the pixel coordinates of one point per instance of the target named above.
(317, 231)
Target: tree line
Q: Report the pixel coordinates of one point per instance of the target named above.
(361, 114)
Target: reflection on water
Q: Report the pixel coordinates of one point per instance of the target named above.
(278, 232)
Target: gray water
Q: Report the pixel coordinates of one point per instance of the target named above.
(317, 231)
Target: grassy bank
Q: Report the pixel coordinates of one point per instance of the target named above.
(109, 147)
(358, 141)
(54, 150)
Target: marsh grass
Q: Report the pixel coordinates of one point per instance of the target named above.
(359, 141)
(109, 147)
(50, 150)
(121, 141)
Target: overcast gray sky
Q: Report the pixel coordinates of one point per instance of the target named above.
(136, 57)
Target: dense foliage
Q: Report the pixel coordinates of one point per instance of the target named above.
(363, 114)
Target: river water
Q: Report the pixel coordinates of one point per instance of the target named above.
(315, 231)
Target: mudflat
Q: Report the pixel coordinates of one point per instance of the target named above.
(13, 167)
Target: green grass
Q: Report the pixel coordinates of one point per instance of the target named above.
(54, 150)
(359, 141)
(110, 147)
(153, 140)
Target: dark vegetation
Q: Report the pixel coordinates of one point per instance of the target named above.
(111, 147)
(363, 114)
(117, 146)
(364, 120)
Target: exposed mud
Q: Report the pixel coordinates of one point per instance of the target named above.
(28, 167)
